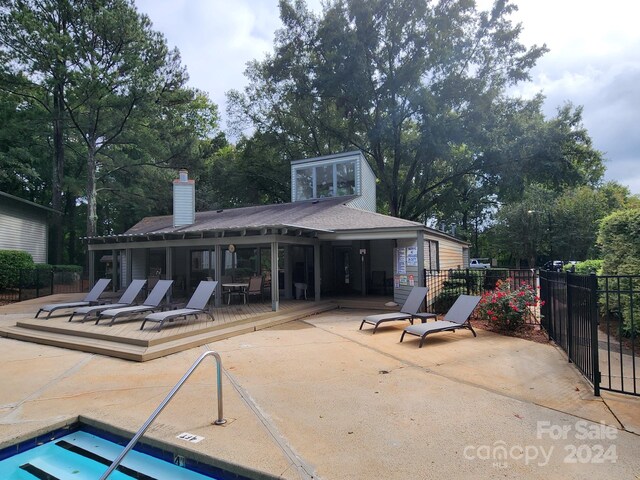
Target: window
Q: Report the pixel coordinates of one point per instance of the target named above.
(431, 255)
(324, 181)
(329, 180)
(304, 183)
(345, 179)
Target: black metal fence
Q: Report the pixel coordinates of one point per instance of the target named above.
(38, 282)
(446, 285)
(619, 332)
(594, 319)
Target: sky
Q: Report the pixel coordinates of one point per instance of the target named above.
(594, 59)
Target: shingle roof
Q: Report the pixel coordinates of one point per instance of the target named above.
(328, 215)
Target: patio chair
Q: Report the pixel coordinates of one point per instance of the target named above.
(197, 305)
(226, 291)
(128, 297)
(151, 303)
(91, 298)
(408, 311)
(456, 318)
(255, 288)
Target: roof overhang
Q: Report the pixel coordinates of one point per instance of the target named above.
(214, 235)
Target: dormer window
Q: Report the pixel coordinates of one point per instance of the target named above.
(321, 181)
(339, 175)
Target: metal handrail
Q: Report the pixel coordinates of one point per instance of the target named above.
(220, 420)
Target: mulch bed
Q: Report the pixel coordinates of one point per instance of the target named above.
(533, 333)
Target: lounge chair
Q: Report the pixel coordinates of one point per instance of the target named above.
(196, 306)
(456, 318)
(151, 303)
(408, 311)
(127, 298)
(91, 298)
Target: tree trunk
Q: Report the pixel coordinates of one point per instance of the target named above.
(92, 216)
(57, 177)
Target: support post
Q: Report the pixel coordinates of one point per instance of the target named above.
(595, 359)
(317, 278)
(169, 267)
(92, 268)
(114, 270)
(218, 274)
(275, 281)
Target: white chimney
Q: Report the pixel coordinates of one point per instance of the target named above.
(184, 200)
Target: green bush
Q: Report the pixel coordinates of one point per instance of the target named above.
(67, 274)
(492, 276)
(11, 263)
(589, 266)
(619, 238)
(469, 280)
(444, 300)
(67, 268)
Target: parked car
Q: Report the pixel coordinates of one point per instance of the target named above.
(554, 266)
(475, 263)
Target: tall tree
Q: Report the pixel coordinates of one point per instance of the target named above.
(117, 94)
(34, 48)
(120, 67)
(412, 83)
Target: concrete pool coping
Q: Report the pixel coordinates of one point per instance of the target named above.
(320, 399)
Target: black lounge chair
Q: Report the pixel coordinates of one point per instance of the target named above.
(91, 298)
(127, 298)
(409, 310)
(456, 318)
(151, 303)
(196, 306)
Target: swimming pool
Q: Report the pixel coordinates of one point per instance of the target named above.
(81, 452)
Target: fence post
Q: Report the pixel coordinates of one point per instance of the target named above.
(52, 278)
(569, 319)
(594, 320)
(20, 285)
(468, 282)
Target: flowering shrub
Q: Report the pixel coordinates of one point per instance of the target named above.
(508, 309)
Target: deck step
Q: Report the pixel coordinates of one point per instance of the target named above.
(73, 342)
(132, 349)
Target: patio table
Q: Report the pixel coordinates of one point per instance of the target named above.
(237, 289)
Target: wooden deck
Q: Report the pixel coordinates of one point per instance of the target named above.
(125, 339)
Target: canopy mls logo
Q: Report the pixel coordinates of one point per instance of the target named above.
(583, 442)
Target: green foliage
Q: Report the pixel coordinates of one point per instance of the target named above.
(589, 266)
(457, 283)
(547, 224)
(91, 86)
(12, 262)
(619, 238)
(417, 89)
(445, 299)
(508, 308)
(67, 268)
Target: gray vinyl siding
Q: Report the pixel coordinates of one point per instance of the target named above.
(138, 264)
(184, 201)
(365, 187)
(123, 269)
(23, 228)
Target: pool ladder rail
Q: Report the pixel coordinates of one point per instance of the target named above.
(219, 421)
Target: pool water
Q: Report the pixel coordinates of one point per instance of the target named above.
(83, 456)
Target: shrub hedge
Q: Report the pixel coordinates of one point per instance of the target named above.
(11, 263)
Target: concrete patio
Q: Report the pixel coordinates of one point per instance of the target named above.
(317, 398)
